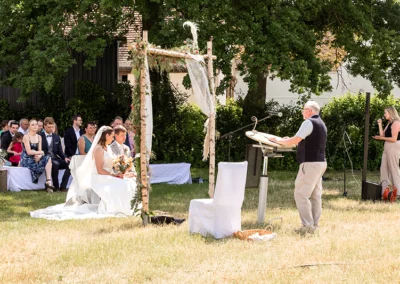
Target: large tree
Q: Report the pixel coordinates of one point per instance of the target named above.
(284, 38)
(38, 38)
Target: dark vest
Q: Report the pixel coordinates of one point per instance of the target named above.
(312, 148)
(51, 149)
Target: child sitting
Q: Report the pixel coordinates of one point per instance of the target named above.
(15, 148)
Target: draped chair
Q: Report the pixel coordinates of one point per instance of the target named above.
(221, 216)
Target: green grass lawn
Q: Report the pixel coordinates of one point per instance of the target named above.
(356, 243)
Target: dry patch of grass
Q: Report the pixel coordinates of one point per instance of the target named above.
(356, 243)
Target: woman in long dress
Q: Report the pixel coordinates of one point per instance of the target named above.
(390, 172)
(33, 157)
(95, 190)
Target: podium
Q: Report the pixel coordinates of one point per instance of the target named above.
(269, 149)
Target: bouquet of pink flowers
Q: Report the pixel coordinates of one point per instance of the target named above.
(121, 164)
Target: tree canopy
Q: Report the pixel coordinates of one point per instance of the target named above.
(283, 38)
(275, 37)
(38, 38)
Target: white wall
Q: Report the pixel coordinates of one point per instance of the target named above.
(279, 90)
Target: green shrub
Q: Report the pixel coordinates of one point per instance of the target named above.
(347, 113)
(89, 102)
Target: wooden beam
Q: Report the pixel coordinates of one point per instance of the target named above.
(211, 179)
(168, 53)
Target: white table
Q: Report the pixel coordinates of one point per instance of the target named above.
(170, 173)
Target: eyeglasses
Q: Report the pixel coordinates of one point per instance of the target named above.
(304, 109)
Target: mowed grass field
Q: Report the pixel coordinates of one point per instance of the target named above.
(357, 242)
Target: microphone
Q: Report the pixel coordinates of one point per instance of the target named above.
(275, 113)
(253, 118)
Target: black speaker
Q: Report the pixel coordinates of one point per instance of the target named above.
(371, 191)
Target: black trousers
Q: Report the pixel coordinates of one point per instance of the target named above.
(59, 164)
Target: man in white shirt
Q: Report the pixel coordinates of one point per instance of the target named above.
(118, 147)
(311, 139)
(72, 136)
(116, 122)
(23, 126)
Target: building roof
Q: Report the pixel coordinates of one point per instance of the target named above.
(134, 33)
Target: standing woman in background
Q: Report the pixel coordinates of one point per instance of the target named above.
(390, 172)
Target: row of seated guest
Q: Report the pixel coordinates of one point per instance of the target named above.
(41, 151)
(49, 144)
(72, 140)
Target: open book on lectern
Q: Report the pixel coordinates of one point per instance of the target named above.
(264, 139)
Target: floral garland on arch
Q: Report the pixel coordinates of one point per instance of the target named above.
(161, 62)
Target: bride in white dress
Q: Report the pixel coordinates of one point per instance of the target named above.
(95, 191)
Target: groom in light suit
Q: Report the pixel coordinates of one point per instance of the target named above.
(118, 147)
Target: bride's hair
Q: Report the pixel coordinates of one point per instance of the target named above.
(102, 140)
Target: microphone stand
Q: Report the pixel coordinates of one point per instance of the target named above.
(344, 159)
(229, 135)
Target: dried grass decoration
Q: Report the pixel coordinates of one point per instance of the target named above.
(256, 234)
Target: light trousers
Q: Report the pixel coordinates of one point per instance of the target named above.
(390, 171)
(308, 192)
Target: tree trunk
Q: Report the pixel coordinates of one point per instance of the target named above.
(257, 95)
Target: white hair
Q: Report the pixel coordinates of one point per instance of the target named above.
(313, 105)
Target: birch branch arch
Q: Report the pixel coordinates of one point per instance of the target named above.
(203, 85)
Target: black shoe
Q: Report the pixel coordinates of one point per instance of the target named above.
(161, 220)
(48, 186)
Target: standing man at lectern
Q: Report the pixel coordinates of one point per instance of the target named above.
(311, 139)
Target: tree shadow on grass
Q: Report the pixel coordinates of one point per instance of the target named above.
(15, 206)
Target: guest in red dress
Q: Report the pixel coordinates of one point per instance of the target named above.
(15, 148)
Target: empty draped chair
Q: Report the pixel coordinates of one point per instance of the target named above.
(221, 216)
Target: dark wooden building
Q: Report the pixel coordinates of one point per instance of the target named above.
(104, 74)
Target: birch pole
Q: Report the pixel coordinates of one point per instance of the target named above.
(212, 121)
(143, 149)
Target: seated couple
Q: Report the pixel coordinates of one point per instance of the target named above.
(96, 191)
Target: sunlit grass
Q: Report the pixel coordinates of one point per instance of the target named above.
(356, 243)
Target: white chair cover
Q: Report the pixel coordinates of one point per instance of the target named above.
(221, 216)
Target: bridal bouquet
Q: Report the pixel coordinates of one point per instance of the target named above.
(122, 163)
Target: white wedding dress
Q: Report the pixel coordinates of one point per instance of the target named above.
(92, 195)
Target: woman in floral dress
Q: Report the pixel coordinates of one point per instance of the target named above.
(34, 158)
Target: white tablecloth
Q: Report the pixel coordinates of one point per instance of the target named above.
(19, 178)
(170, 173)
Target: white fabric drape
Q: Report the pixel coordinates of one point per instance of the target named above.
(199, 80)
(202, 94)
